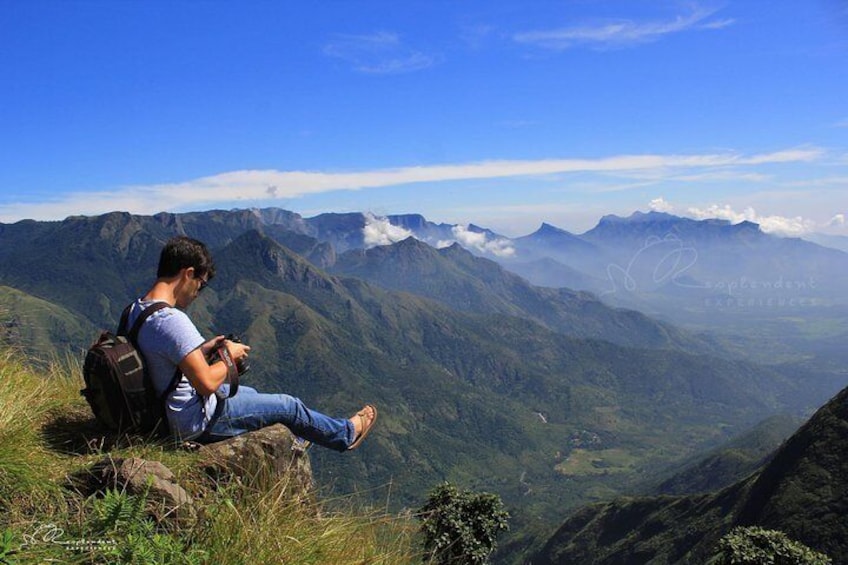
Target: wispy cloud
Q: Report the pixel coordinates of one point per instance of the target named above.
(661, 205)
(841, 123)
(379, 231)
(705, 168)
(722, 176)
(381, 53)
(480, 241)
(820, 182)
(779, 225)
(620, 33)
(272, 186)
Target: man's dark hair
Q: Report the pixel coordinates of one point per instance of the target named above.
(182, 252)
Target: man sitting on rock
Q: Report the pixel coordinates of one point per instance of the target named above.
(198, 408)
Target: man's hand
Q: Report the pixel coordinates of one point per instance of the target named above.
(206, 378)
(238, 351)
(211, 346)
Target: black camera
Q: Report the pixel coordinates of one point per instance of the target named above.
(242, 365)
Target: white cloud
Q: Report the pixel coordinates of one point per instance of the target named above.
(721, 212)
(779, 225)
(798, 154)
(721, 176)
(821, 182)
(619, 33)
(379, 231)
(661, 205)
(480, 241)
(379, 53)
(795, 227)
(253, 185)
(837, 221)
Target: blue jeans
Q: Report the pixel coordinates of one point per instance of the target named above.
(251, 410)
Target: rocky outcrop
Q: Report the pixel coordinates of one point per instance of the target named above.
(268, 457)
(265, 457)
(166, 498)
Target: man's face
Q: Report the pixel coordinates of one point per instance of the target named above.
(192, 285)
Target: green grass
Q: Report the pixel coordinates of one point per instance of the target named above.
(582, 462)
(25, 401)
(46, 436)
(271, 528)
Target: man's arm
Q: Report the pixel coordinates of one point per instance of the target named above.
(206, 378)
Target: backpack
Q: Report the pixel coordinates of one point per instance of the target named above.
(118, 386)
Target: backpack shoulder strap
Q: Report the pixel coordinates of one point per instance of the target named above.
(125, 315)
(146, 313)
(133, 337)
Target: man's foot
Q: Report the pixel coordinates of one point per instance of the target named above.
(362, 422)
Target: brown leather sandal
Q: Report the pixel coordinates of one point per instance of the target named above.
(366, 425)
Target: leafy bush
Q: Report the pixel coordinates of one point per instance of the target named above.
(137, 539)
(7, 547)
(758, 546)
(460, 527)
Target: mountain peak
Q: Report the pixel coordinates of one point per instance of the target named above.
(474, 228)
(410, 242)
(547, 229)
(550, 235)
(747, 226)
(408, 221)
(267, 262)
(454, 248)
(642, 222)
(639, 217)
(408, 249)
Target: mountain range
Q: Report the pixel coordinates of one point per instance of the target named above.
(551, 397)
(467, 283)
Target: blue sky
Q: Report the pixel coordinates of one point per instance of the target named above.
(503, 114)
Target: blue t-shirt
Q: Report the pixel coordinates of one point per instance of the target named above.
(165, 338)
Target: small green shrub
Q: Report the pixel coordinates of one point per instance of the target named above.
(8, 547)
(758, 546)
(136, 539)
(460, 527)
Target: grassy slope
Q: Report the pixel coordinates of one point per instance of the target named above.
(800, 491)
(733, 461)
(46, 435)
(40, 326)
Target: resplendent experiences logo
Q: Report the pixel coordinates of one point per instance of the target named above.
(667, 265)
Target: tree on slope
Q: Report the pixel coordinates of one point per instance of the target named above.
(460, 527)
(758, 546)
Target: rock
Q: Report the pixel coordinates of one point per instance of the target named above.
(270, 458)
(263, 459)
(166, 499)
